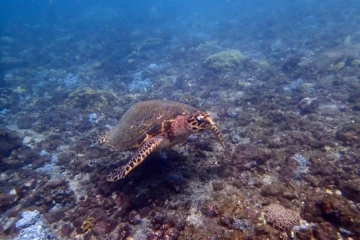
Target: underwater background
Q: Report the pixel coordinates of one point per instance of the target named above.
(281, 79)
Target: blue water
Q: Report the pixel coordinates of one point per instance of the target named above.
(279, 77)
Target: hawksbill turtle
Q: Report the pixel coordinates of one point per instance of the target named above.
(154, 125)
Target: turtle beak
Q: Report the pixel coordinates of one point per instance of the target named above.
(209, 121)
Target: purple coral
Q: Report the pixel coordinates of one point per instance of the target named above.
(280, 217)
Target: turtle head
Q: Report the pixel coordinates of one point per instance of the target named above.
(200, 122)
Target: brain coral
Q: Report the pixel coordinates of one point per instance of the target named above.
(280, 217)
(224, 61)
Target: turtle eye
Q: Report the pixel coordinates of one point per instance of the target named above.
(199, 119)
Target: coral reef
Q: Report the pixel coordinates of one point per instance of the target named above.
(86, 98)
(10, 62)
(224, 61)
(282, 85)
(336, 210)
(32, 226)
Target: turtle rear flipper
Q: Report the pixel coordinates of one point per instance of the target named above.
(99, 140)
(139, 156)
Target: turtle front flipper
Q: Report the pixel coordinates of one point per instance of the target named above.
(143, 152)
(217, 134)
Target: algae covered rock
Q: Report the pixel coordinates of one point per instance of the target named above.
(6, 40)
(89, 98)
(9, 141)
(224, 61)
(334, 209)
(9, 62)
(349, 133)
(151, 43)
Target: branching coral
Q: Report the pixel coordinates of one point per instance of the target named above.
(87, 225)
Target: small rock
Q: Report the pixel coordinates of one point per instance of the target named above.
(25, 122)
(273, 189)
(8, 224)
(356, 106)
(66, 230)
(218, 186)
(7, 200)
(103, 227)
(27, 218)
(329, 110)
(351, 190)
(134, 218)
(158, 218)
(308, 105)
(54, 216)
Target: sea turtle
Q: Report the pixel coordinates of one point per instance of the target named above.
(155, 125)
